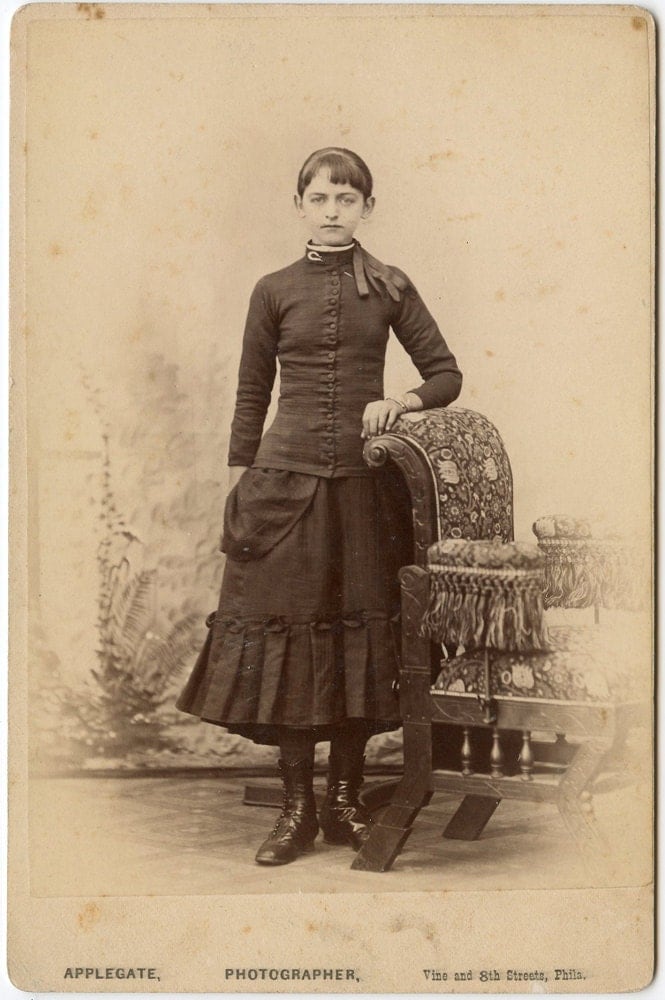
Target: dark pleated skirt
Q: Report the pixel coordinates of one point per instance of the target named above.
(306, 634)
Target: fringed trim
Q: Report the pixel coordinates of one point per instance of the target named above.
(481, 608)
(571, 580)
(583, 573)
(620, 581)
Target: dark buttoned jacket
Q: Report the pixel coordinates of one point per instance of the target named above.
(329, 329)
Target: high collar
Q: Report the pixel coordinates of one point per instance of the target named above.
(367, 270)
(330, 255)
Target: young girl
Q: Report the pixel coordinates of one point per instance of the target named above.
(302, 647)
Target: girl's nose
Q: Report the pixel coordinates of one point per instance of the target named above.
(331, 212)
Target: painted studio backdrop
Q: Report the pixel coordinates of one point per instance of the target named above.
(512, 181)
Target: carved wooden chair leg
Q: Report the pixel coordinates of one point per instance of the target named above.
(471, 818)
(414, 790)
(574, 800)
(390, 833)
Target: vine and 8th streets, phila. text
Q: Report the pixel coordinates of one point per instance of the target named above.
(504, 975)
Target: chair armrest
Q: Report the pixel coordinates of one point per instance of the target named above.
(456, 469)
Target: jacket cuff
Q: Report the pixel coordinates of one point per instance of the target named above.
(241, 458)
(439, 391)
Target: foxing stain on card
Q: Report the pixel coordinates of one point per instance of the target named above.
(457, 89)
(88, 916)
(91, 10)
(433, 161)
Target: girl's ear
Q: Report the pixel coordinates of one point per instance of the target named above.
(297, 201)
(369, 207)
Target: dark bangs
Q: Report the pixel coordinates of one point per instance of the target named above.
(343, 167)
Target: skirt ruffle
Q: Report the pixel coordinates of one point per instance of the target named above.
(258, 675)
(284, 648)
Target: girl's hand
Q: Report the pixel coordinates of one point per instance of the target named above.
(235, 472)
(380, 416)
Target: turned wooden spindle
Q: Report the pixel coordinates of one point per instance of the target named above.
(526, 756)
(496, 755)
(467, 754)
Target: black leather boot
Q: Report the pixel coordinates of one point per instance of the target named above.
(297, 826)
(343, 819)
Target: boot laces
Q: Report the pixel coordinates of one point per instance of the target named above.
(284, 814)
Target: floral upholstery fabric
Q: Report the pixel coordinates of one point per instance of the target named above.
(583, 664)
(471, 469)
(494, 555)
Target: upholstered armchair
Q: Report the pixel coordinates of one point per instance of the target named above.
(495, 704)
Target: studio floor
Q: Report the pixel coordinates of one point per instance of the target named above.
(193, 836)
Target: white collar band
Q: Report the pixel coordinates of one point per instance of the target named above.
(322, 249)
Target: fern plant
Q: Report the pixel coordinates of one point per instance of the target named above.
(122, 708)
(138, 667)
(136, 664)
(119, 709)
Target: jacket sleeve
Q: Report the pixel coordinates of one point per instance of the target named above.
(256, 377)
(418, 333)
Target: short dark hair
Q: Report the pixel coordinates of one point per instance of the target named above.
(344, 166)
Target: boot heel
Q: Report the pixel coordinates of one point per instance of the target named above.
(306, 848)
(343, 818)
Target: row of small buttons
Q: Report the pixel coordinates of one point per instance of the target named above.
(333, 302)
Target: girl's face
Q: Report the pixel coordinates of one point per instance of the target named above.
(332, 212)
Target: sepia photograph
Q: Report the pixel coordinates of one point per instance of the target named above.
(331, 498)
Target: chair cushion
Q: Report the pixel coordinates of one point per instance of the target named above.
(583, 664)
(492, 555)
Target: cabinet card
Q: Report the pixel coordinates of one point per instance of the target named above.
(155, 150)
